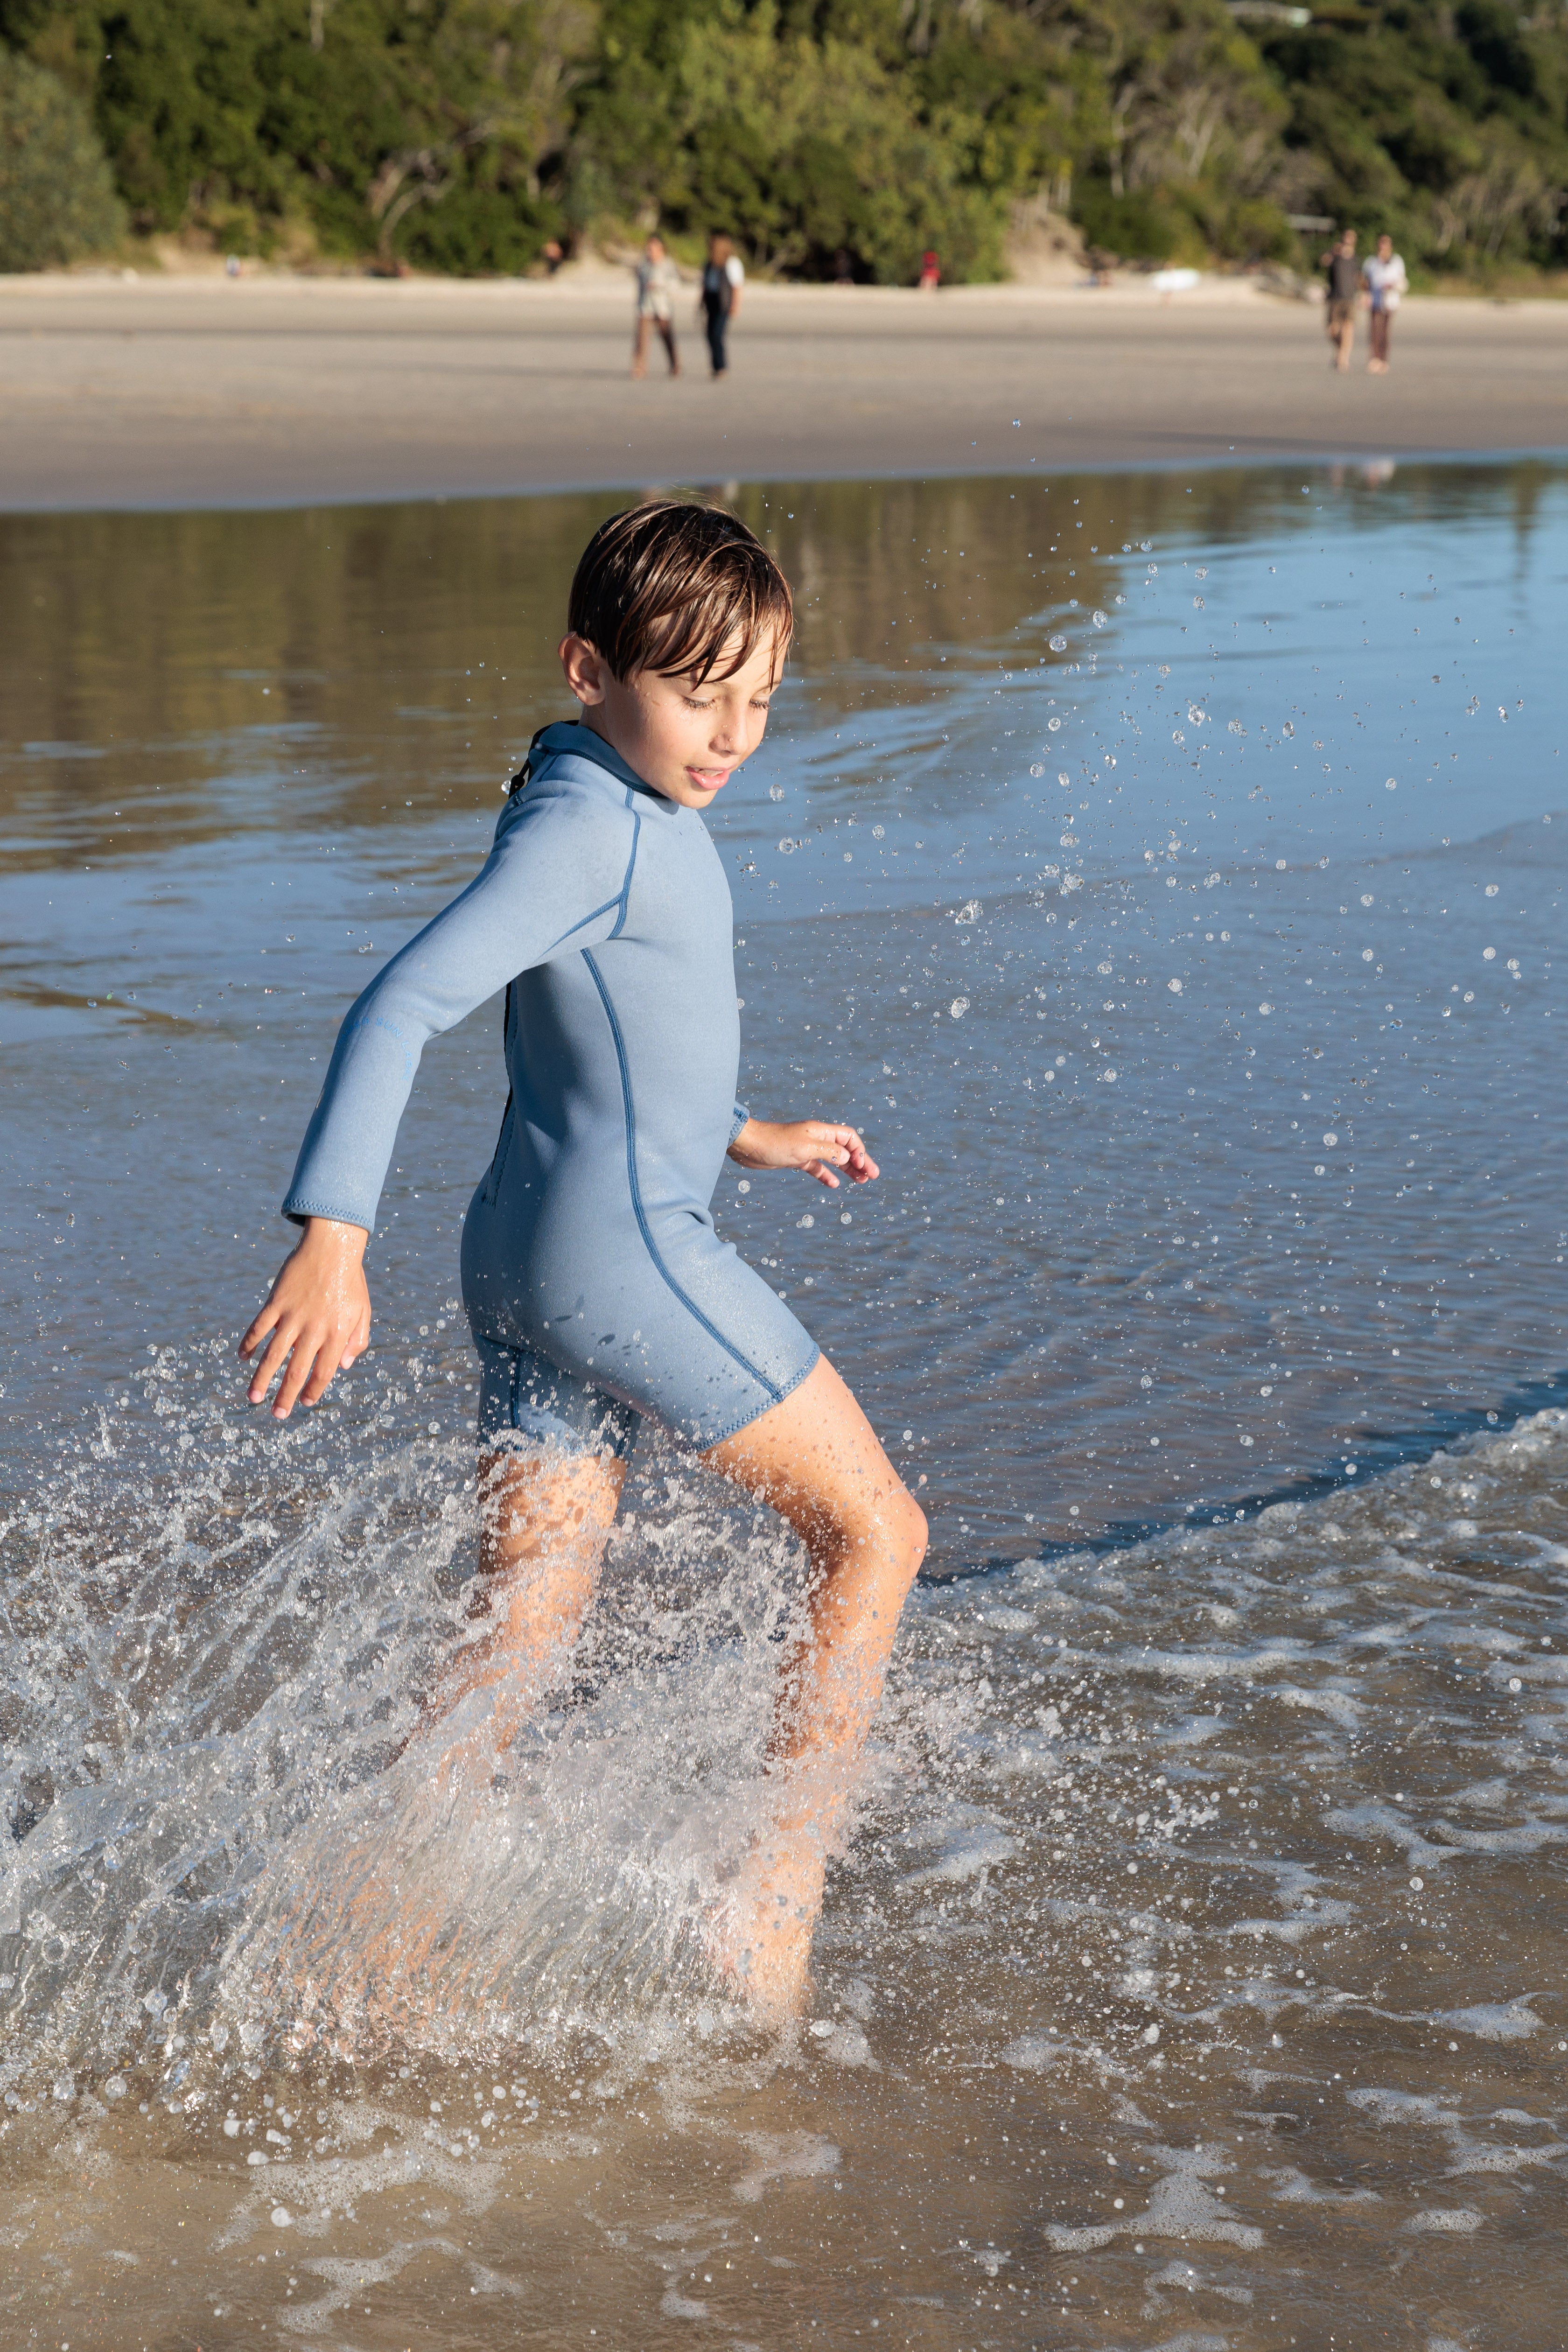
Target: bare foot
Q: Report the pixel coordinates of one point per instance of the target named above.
(758, 1937)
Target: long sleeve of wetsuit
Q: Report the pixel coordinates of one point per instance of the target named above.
(550, 884)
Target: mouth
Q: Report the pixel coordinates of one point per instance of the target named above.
(709, 780)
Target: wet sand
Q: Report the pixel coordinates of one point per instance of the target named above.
(210, 393)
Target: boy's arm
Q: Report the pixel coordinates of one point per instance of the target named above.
(318, 1316)
(815, 1145)
(549, 881)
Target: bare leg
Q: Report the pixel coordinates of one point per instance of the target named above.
(542, 1529)
(640, 347)
(816, 1460)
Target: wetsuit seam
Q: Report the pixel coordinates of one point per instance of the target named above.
(638, 1210)
(574, 928)
(779, 1395)
(625, 899)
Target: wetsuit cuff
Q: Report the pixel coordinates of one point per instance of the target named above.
(737, 1122)
(298, 1210)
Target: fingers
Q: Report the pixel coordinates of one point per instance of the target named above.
(258, 1331)
(850, 1152)
(318, 1355)
(302, 1364)
(273, 1361)
(309, 1356)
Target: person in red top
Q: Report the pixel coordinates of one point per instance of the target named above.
(931, 272)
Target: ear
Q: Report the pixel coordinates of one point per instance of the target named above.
(585, 670)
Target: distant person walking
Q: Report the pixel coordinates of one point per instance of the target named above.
(1343, 273)
(931, 272)
(658, 283)
(723, 276)
(1386, 285)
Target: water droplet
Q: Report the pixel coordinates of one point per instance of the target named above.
(1036, 769)
(959, 1007)
(1098, 619)
(1058, 645)
(1174, 986)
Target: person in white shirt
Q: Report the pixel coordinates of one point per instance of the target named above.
(1386, 284)
(658, 283)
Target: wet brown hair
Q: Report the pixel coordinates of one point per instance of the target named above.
(669, 586)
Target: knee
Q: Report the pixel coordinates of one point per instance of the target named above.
(902, 1533)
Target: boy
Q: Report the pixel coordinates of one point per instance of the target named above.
(596, 1285)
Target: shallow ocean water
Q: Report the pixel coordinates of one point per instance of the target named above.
(1192, 1977)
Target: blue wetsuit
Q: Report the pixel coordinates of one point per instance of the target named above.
(593, 1277)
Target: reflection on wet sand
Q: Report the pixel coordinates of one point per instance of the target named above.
(181, 677)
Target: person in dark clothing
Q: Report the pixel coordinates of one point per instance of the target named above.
(723, 276)
(1343, 273)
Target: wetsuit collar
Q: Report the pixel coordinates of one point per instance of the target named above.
(583, 743)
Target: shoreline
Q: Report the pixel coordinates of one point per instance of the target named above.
(203, 391)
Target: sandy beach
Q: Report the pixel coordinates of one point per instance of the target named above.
(207, 392)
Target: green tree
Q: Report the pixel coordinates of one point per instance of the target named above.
(716, 114)
(1445, 125)
(57, 202)
(411, 125)
(461, 133)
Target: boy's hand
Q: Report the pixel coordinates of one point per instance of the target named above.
(815, 1145)
(318, 1314)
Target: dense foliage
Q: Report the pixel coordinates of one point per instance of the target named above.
(1446, 123)
(463, 134)
(56, 193)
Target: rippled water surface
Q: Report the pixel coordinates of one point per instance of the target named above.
(1168, 875)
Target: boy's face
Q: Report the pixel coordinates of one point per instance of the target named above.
(684, 739)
